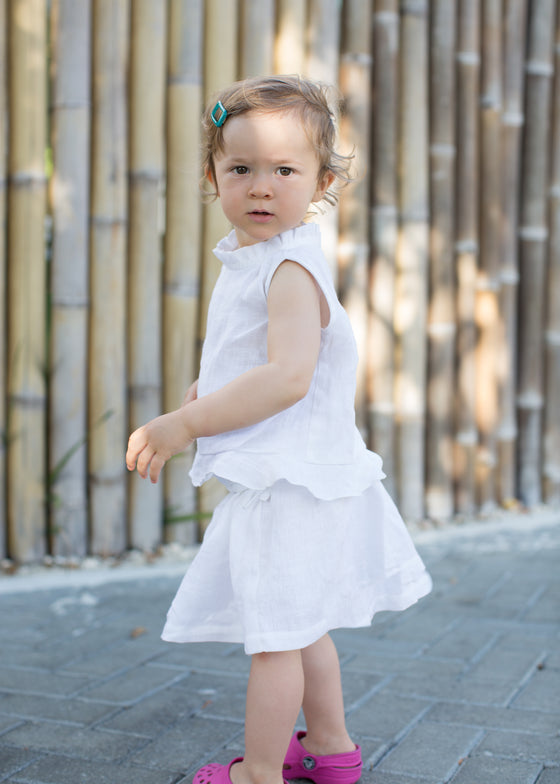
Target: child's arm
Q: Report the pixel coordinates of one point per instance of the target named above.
(191, 393)
(293, 341)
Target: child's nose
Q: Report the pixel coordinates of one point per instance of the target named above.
(260, 187)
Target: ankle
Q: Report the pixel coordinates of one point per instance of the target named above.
(246, 773)
(322, 744)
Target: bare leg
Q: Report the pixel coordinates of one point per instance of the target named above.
(274, 697)
(323, 704)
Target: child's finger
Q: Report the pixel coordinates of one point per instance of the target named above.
(136, 443)
(144, 460)
(156, 465)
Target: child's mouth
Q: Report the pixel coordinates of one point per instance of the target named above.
(261, 216)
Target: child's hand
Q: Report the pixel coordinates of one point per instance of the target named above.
(152, 445)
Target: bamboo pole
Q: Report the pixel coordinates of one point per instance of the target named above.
(220, 69)
(353, 246)
(384, 223)
(412, 258)
(107, 377)
(3, 270)
(441, 311)
(69, 199)
(257, 38)
(324, 31)
(289, 51)
(27, 280)
(147, 93)
(487, 315)
(551, 453)
(183, 236)
(534, 236)
(322, 65)
(515, 21)
(466, 249)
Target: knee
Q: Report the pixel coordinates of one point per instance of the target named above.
(269, 657)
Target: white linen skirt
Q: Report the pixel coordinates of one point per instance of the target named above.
(278, 568)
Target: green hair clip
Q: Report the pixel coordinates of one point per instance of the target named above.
(218, 114)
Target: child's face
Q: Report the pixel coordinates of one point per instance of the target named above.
(267, 175)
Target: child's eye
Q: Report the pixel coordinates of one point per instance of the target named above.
(240, 169)
(284, 171)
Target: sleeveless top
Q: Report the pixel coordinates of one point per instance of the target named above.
(314, 443)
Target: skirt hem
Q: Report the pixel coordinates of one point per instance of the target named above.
(269, 642)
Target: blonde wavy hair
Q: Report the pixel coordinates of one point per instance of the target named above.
(306, 99)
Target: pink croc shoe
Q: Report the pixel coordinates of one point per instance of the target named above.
(345, 768)
(214, 773)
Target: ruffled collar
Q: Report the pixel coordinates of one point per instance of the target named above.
(234, 257)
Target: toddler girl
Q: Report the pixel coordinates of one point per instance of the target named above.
(307, 540)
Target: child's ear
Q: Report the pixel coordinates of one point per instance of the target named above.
(322, 186)
(209, 174)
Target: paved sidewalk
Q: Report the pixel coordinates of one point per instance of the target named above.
(464, 687)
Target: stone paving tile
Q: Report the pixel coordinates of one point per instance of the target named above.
(8, 722)
(84, 644)
(71, 741)
(545, 609)
(154, 714)
(491, 717)
(503, 662)
(188, 743)
(549, 776)
(14, 760)
(492, 770)
(218, 695)
(522, 746)
(463, 641)
(208, 657)
(413, 667)
(542, 692)
(131, 686)
(36, 655)
(412, 632)
(384, 716)
(483, 577)
(30, 706)
(355, 686)
(62, 770)
(429, 750)
(119, 656)
(454, 689)
(379, 777)
(20, 629)
(34, 681)
(553, 658)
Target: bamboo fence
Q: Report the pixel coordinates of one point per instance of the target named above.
(539, 70)
(515, 23)
(107, 399)
(3, 269)
(441, 326)
(383, 233)
(182, 240)
(26, 388)
(69, 276)
(467, 58)
(445, 249)
(551, 456)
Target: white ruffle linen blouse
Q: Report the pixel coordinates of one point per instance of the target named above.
(314, 443)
